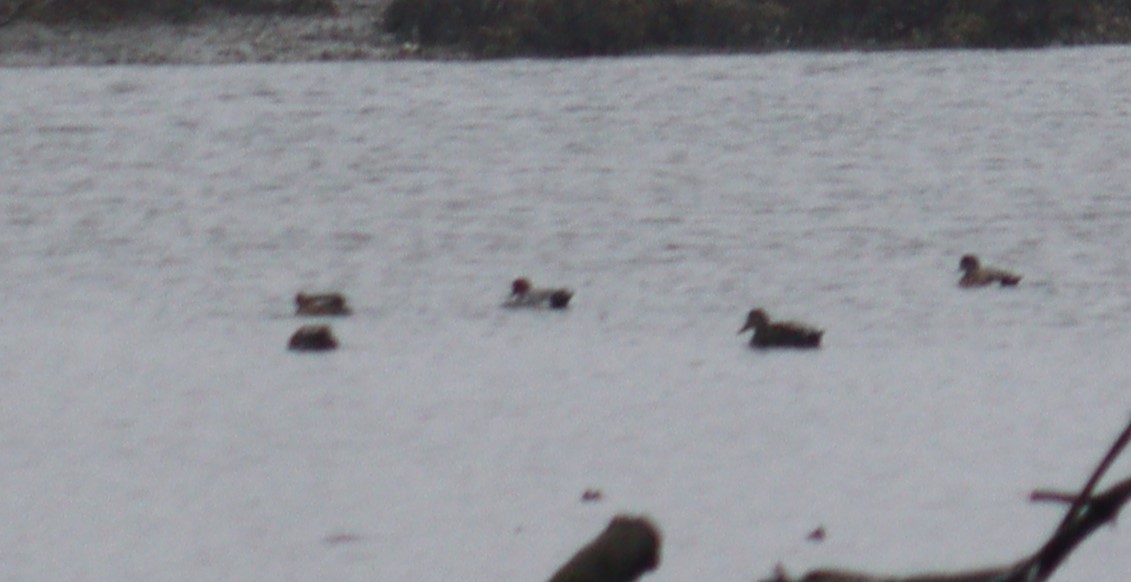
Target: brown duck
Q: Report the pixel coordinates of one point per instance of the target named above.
(313, 338)
(975, 275)
(783, 334)
(321, 304)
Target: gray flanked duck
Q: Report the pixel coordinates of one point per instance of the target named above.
(782, 334)
(975, 275)
(525, 294)
(321, 304)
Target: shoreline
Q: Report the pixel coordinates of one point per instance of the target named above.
(216, 38)
(352, 34)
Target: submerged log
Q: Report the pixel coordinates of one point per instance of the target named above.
(627, 549)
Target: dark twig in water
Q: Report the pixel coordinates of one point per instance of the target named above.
(1087, 512)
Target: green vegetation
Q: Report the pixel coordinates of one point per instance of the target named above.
(493, 28)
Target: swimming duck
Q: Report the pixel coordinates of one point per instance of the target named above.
(523, 294)
(783, 334)
(975, 275)
(313, 338)
(321, 304)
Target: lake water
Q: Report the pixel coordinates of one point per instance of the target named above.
(157, 222)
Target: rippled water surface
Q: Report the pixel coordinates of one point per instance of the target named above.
(156, 222)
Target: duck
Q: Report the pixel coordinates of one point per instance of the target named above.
(783, 334)
(321, 304)
(313, 338)
(975, 275)
(524, 294)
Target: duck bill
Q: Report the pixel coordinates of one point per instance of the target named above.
(746, 327)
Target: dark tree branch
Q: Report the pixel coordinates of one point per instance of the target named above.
(1085, 496)
(1085, 515)
(1094, 512)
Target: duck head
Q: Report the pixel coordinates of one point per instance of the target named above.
(520, 287)
(969, 263)
(755, 319)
